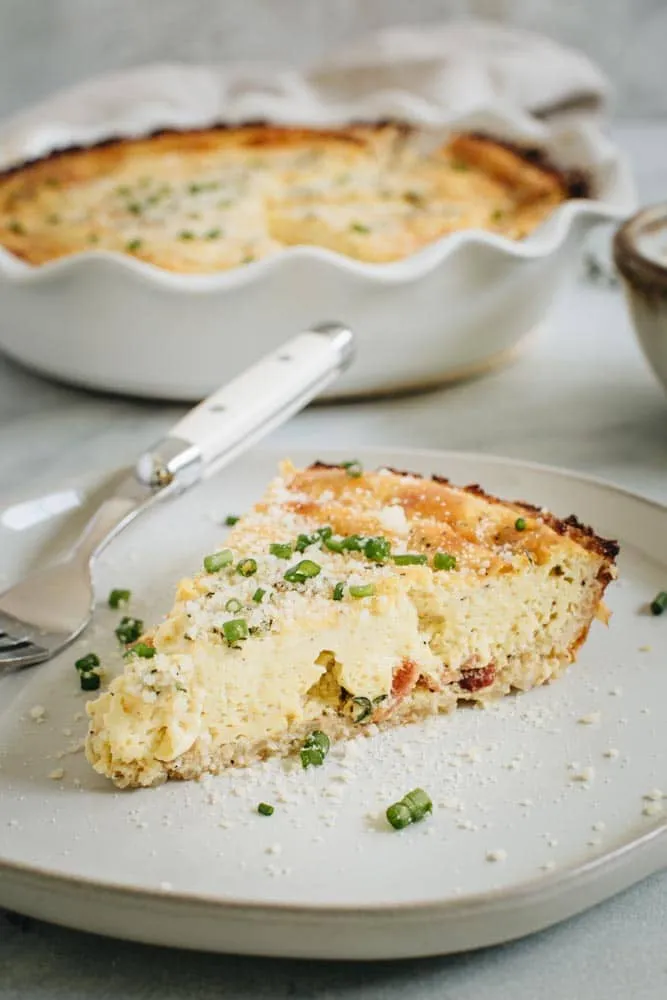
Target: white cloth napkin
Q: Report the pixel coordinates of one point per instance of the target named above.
(431, 75)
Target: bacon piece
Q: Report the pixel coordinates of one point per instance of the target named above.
(404, 679)
(478, 677)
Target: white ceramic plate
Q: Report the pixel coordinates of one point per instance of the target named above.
(194, 865)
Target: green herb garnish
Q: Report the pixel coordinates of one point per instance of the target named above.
(315, 748)
(217, 560)
(233, 605)
(129, 629)
(281, 550)
(133, 245)
(89, 681)
(410, 559)
(16, 227)
(235, 630)
(144, 650)
(354, 469)
(231, 520)
(264, 809)
(258, 596)
(338, 591)
(443, 560)
(520, 524)
(118, 597)
(214, 234)
(186, 234)
(135, 208)
(659, 603)
(247, 567)
(304, 570)
(87, 663)
(377, 549)
(359, 227)
(363, 590)
(412, 808)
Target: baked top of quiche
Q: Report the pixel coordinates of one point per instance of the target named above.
(217, 198)
(346, 598)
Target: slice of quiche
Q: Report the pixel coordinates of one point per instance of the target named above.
(342, 599)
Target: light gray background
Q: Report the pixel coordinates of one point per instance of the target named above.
(46, 44)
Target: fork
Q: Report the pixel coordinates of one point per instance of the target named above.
(49, 608)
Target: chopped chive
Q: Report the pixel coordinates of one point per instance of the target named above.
(89, 681)
(659, 603)
(16, 227)
(303, 571)
(233, 605)
(118, 597)
(338, 591)
(235, 630)
(217, 560)
(214, 234)
(133, 245)
(93, 238)
(315, 748)
(377, 549)
(124, 190)
(363, 590)
(281, 550)
(443, 560)
(258, 596)
(354, 469)
(195, 188)
(359, 227)
(247, 567)
(264, 809)
(520, 524)
(412, 808)
(231, 520)
(365, 706)
(334, 544)
(248, 259)
(497, 215)
(324, 532)
(186, 234)
(410, 559)
(353, 543)
(144, 650)
(87, 663)
(304, 541)
(129, 629)
(135, 208)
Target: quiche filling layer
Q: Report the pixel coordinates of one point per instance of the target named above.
(209, 200)
(342, 600)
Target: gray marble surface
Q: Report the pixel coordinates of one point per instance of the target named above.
(580, 396)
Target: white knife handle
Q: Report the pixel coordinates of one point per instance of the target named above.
(249, 407)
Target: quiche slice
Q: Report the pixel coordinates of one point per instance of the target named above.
(343, 599)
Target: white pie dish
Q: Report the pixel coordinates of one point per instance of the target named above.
(458, 307)
(517, 841)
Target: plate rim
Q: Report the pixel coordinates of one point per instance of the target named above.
(521, 895)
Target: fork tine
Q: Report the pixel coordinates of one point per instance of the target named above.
(23, 656)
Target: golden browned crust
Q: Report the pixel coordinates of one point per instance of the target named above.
(569, 527)
(136, 195)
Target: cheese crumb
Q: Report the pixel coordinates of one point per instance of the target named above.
(38, 713)
(653, 809)
(586, 774)
(57, 774)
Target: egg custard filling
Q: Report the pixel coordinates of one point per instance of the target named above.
(342, 599)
